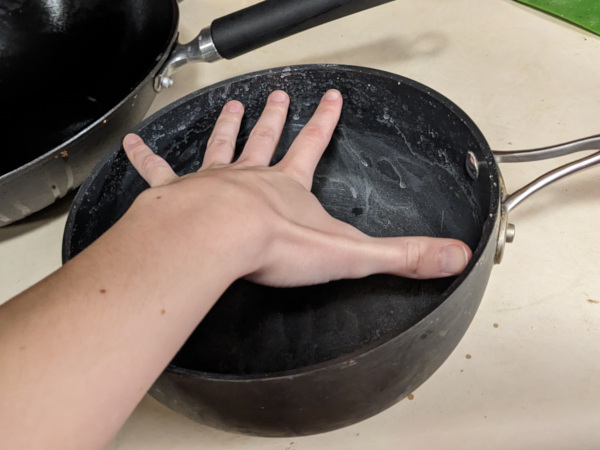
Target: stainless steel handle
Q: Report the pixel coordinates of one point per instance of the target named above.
(510, 201)
(199, 49)
(256, 26)
(589, 143)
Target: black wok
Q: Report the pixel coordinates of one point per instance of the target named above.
(76, 74)
(403, 161)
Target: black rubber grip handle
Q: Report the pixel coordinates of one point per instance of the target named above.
(271, 20)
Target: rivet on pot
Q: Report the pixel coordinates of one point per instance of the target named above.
(166, 82)
(510, 233)
(472, 165)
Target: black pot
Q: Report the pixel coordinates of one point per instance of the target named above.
(403, 161)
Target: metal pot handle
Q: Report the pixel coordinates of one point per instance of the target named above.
(254, 27)
(510, 201)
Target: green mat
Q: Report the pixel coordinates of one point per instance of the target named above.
(585, 13)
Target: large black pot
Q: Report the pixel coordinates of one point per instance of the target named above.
(80, 73)
(403, 161)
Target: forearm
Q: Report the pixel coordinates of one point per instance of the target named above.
(81, 348)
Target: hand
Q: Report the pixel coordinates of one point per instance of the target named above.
(156, 273)
(266, 220)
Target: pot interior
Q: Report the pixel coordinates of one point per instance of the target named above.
(395, 167)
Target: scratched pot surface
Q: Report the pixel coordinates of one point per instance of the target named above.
(395, 167)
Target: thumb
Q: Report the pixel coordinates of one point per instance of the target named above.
(413, 257)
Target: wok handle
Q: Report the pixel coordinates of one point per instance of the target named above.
(589, 143)
(510, 201)
(272, 20)
(254, 27)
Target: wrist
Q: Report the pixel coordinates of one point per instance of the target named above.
(195, 232)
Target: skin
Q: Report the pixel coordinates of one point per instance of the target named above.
(80, 349)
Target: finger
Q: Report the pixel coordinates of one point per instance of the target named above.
(321, 257)
(356, 255)
(221, 144)
(265, 135)
(360, 255)
(305, 152)
(411, 257)
(154, 169)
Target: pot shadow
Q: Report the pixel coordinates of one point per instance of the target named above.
(38, 219)
(385, 50)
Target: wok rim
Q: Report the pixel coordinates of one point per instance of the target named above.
(161, 58)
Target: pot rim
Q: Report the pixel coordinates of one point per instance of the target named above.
(347, 358)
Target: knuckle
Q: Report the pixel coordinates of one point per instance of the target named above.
(151, 162)
(296, 173)
(220, 141)
(412, 258)
(314, 132)
(139, 152)
(263, 134)
(226, 121)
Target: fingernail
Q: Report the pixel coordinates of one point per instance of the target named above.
(332, 94)
(278, 96)
(132, 139)
(234, 106)
(454, 259)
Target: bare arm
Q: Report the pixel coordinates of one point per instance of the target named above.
(80, 349)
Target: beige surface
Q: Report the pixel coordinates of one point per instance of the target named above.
(527, 80)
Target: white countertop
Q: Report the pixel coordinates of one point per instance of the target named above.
(527, 80)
